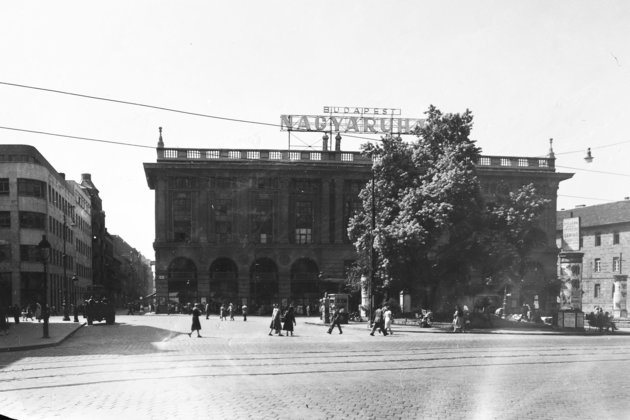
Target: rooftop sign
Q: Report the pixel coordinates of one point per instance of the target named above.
(361, 110)
(361, 120)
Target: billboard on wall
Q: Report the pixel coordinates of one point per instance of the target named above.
(571, 234)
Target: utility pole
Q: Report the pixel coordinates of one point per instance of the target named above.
(372, 251)
(66, 313)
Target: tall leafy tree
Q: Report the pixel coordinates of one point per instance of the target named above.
(431, 225)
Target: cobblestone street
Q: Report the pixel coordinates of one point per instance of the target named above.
(148, 367)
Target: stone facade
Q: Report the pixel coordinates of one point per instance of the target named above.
(604, 239)
(260, 226)
(36, 200)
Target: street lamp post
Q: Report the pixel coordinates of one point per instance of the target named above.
(505, 296)
(44, 248)
(66, 313)
(372, 251)
(187, 292)
(75, 282)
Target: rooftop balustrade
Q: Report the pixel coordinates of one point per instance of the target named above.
(178, 154)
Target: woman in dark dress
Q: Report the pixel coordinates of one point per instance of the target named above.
(196, 325)
(289, 321)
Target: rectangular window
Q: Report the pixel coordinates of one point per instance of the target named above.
(303, 222)
(262, 221)
(29, 253)
(615, 238)
(597, 265)
(306, 186)
(581, 242)
(5, 219)
(4, 186)
(303, 236)
(181, 230)
(616, 264)
(598, 239)
(224, 232)
(304, 214)
(5, 252)
(32, 220)
(225, 183)
(597, 291)
(222, 207)
(31, 188)
(182, 219)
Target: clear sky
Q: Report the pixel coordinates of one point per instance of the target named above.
(528, 70)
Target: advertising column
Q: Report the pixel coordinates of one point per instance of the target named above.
(570, 314)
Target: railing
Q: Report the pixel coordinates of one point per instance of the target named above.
(258, 154)
(166, 154)
(516, 162)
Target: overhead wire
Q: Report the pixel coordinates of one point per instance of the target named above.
(161, 108)
(239, 120)
(586, 198)
(198, 114)
(592, 170)
(46, 133)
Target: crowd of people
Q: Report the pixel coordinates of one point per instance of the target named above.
(601, 320)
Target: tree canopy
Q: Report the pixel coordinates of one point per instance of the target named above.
(431, 223)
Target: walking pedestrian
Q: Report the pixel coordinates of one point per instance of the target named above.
(222, 312)
(244, 309)
(289, 321)
(196, 325)
(387, 315)
(16, 313)
(308, 310)
(458, 319)
(207, 310)
(231, 311)
(378, 322)
(335, 320)
(275, 325)
(38, 312)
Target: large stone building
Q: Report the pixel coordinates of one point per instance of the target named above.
(134, 277)
(37, 201)
(261, 226)
(602, 235)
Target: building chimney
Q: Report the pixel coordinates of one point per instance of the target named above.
(86, 177)
(325, 142)
(62, 175)
(338, 142)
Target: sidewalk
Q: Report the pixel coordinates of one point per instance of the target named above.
(27, 335)
(445, 327)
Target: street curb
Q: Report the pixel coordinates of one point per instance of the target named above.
(43, 345)
(441, 329)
